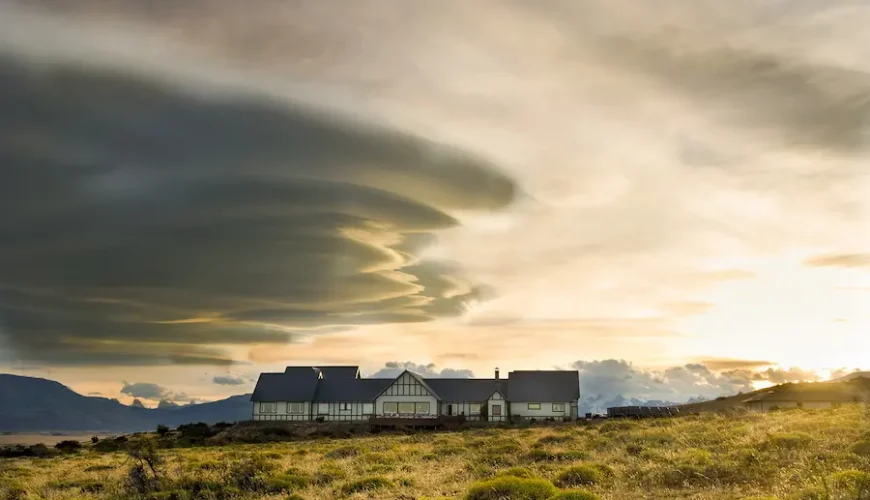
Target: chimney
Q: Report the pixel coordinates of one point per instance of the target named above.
(496, 373)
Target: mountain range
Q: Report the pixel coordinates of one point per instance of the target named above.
(29, 404)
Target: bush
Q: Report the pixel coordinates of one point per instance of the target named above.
(553, 439)
(95, 439)
(341, 452)
(575, 495)
(791, 440)
(521, 472)
(68, 446)
(511, 488)
(329, 474)
(162, 430)
(366, 484)
(285, 483)
(580, 475)
(855, 483)
(861, 448)
(249, 474)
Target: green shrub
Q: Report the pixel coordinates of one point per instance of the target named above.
(604, 469)
(521, 472)
(511, 488)
(861, 448)
(543, 456)
(580, 475)
(249, 474)
(575, 495)
(68, 446)
(285, 483)
(855, 483)
(162, 430)
(553, 439)
(341, 452)
(366, 484)
(329, 474)
(449, 450)
(790, 440)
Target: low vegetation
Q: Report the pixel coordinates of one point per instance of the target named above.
(789, 455)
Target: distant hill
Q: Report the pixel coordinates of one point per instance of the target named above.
(859, 386)
(853, 376)
(29, 404)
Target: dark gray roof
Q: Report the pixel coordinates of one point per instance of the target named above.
(293, 385)
(339, 372)
(366, 389)
(544, 386)
(466, 389)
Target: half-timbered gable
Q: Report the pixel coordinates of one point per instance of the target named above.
(408, 396)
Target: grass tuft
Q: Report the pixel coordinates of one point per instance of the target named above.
(511, 488)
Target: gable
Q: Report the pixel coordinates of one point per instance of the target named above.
(407, 384)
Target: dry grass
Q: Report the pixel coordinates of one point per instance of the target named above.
(787, 455)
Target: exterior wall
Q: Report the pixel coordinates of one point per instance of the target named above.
(356, 411)
(406, 389)
(497, 399)
(521, 409)
(281, 414)
(767, 406)
(460, 407)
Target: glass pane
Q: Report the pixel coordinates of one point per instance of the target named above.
(422, 408)
(474, 408)
(496, 410)
(406, 407)
(391, 408)
(534, 406)
(368, 409)
(323, 408)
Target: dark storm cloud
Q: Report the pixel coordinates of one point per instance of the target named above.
(847, 260)
(227, 380)
(804, 104)
(144, 222)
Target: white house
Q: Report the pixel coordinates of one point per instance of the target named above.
(338, 393)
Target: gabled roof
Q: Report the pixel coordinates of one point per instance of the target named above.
(416, 377)
(350, 390)
(543, 386)
(339, 372)
(292, 385)
(466, 389)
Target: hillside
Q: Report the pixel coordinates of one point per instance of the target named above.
(785, 455)
(859, 386)
(39, 405)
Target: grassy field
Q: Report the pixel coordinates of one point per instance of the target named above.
(806, 455)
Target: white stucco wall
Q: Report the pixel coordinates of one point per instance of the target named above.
(496, 399)
(356, 411)
(406, 389)
(461, 406)
(282, 412)
(521, 409)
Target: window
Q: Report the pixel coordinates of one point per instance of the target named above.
(474, 408)
(322, 408)
(559, 407)
(422, 408)
(268, 407)
(368, 408)
(496, 410)
(534, 406)
(391, 407)
(405, 408)
(344, 406)
(296, 408)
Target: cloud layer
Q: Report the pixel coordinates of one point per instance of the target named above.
(392, 369)
(145, 223)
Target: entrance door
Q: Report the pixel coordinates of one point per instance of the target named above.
(449, 410)
(496, 412)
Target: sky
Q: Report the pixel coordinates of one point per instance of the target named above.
(670, 197)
